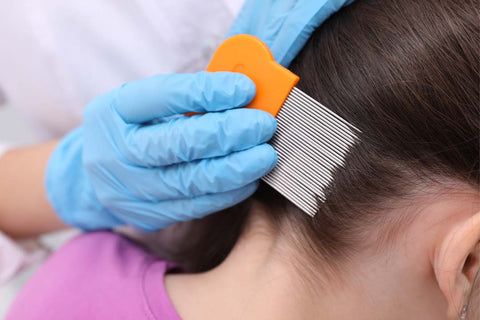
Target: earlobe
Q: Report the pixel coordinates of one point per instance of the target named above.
(457, 263)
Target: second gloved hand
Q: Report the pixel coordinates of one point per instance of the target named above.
(131, 163)
(284, 25)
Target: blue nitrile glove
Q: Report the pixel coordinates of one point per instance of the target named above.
(143, 169)
(284, 25)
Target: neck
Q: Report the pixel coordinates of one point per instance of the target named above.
(262, 279)
(254, 282)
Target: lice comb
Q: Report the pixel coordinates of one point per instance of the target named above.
(311, 141)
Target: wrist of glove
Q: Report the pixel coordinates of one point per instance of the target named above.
(69, 189)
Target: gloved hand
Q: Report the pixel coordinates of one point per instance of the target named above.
(284, 25)
(131, 163)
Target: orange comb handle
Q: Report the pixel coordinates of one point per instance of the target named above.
(249, 55)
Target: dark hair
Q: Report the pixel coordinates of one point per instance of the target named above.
(405, 73)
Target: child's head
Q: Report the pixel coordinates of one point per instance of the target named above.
(405, 73)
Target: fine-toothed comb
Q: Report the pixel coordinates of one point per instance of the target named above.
(311, 141)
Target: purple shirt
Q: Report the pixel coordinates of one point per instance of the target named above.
(97, 275)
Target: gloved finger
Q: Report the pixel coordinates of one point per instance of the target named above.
(305, 17)
(152, 216)
(207, 176)
(202, 136)
(268, 27)
(243, 22)
(169, 94)
(261, 18)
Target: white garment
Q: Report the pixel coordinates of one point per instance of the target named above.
(56, 55)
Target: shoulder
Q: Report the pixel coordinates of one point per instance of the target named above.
(100, 257)
(98, 274)
(99, 253)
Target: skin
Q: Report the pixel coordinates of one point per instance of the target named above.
(24, 208)
(422, 275)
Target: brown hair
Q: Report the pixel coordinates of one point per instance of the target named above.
(405, 73)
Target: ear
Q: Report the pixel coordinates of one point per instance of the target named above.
(457, 263)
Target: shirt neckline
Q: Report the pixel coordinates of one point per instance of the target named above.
(157, 302)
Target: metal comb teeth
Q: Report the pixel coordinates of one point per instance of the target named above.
(311, 142)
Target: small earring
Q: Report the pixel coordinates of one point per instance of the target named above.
(463, 313)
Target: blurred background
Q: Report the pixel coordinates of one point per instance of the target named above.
(12, 128)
